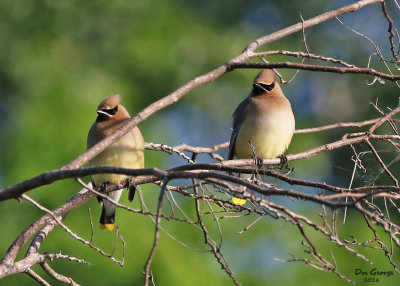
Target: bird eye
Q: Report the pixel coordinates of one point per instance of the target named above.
(268, 87)
(261, 88)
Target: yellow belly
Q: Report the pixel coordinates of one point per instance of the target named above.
(269, 138)
(117, 155)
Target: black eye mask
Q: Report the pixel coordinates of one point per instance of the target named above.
(260, 88)
(111, 111)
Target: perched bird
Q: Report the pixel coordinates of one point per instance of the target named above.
(126, 152)
(263, 123)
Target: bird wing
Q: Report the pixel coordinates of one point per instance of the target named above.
(91, 139)
(238, 117)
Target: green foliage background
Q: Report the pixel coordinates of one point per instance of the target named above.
(59, 59)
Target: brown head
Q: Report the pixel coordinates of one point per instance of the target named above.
(264, 84)
(111, 109)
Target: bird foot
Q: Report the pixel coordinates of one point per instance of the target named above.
(101, 189)
(284, 161)
(104, 186)
(258, 162)
(284, 164)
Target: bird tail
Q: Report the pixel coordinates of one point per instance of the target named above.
(239, 201)
(132, 191)
(107, 217)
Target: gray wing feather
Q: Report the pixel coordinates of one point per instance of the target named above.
(238, 117)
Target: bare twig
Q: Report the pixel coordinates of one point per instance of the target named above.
(156, 234)
(50, 271)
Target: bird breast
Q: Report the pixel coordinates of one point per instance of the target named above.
(127, 152)
(268, 127)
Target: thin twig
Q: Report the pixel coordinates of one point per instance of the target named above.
(156, 234)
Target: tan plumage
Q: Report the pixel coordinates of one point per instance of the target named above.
(127, 152)
(263, 121)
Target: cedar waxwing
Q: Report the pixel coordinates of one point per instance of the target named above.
(126, 152)
(263, 122)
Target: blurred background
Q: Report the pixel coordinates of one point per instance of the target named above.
(60, 59)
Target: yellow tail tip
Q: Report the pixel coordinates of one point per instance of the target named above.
(238, 201)
(108, 227)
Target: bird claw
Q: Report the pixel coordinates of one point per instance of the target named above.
(284, 164)
(104, 186)
(101, 189)
(284, 161)
(258, 162)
